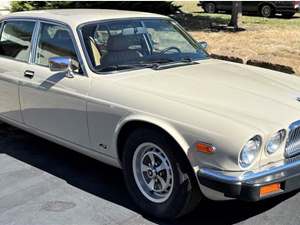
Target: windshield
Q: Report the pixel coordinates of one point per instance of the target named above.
(125, 44)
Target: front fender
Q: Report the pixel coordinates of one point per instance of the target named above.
(167, 127)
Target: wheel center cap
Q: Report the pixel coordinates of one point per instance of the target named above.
(151, 173)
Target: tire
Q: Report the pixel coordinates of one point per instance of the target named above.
(210, 7)
(266, 11)
(288, 15)
(180, 195)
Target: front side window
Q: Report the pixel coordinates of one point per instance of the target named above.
(15, 39)
(124, 43)
(54, 41)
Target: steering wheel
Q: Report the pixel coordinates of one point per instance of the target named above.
(164, 51)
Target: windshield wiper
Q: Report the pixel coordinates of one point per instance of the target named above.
(156, 64)
(126, 66)
(173, 63)
(162, 61)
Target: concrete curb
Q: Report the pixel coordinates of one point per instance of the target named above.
(254, 62)
(227, 58)
(268, 65)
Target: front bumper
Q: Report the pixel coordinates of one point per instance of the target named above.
(247, 185)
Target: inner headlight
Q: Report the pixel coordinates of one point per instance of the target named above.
(275, 142)
(250, 152)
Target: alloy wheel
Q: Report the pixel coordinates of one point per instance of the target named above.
(153, 172)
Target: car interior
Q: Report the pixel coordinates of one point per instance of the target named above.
(15, 40)
(57, 44)
(116, 48)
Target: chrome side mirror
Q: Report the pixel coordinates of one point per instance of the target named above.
(61, 64)
(203, 44)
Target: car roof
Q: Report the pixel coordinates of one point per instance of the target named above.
(74, 17)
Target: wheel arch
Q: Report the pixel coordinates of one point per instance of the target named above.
(133, 122)
(188, 177)
(207, 2)
(261, 4)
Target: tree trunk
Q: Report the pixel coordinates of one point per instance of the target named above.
(236, 15)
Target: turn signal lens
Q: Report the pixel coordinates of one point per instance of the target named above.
(205, 148)
(269, 189)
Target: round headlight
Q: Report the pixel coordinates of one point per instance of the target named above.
(275, 142)
(250, 152)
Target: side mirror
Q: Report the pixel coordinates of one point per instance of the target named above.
(61, 64)
(203, 44)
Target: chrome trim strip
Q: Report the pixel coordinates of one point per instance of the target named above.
(243, 177)
(33, 45)
(1, 26)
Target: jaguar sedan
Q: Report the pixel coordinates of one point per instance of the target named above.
(136, 91)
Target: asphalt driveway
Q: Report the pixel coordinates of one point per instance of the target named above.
(43, 183)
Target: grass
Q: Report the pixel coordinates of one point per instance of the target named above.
(191, 7)
(253, 20)
(274, 40)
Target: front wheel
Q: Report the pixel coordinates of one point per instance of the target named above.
(266, 11)
(210, 7)
(157, 178)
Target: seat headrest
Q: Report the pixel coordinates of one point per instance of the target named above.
(62, 35)
(122, 42)
(118, 43)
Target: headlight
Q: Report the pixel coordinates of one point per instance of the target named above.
(250, 152)
(275, 142)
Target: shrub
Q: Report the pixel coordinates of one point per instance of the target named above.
(161, 7)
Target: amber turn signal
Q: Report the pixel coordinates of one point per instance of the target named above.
(269, 189)
(205, 148)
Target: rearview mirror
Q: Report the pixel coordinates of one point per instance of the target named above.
(61, 64)
(203, 44)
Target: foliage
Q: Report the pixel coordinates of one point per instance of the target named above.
(162, 7)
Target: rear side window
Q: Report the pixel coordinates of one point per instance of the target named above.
(54, 41)
(15, 39)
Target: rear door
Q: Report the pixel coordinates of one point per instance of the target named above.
(15, 49)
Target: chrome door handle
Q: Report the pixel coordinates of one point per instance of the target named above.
(29, 74)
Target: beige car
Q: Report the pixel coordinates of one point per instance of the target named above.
(136, 91)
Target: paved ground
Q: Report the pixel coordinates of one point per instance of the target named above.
(43, 183)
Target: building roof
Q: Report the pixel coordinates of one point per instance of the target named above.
(75, 17)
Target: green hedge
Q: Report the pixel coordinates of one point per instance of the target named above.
(161, 7)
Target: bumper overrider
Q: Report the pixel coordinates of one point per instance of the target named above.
(271, 180)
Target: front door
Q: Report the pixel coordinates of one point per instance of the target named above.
(50, 101)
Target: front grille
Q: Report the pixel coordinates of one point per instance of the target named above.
(293, 143)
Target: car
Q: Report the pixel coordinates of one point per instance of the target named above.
(264, 8)
(134, 90)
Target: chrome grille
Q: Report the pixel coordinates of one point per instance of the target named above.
(293, 143)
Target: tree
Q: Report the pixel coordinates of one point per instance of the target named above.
(162, 7)
(236, 15)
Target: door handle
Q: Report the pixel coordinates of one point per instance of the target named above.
(29, 74)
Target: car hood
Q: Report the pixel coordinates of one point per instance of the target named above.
(247, 94)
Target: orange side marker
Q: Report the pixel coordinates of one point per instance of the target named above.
(205, 148)
(269, 189)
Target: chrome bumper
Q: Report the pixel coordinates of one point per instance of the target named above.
(246, 185)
